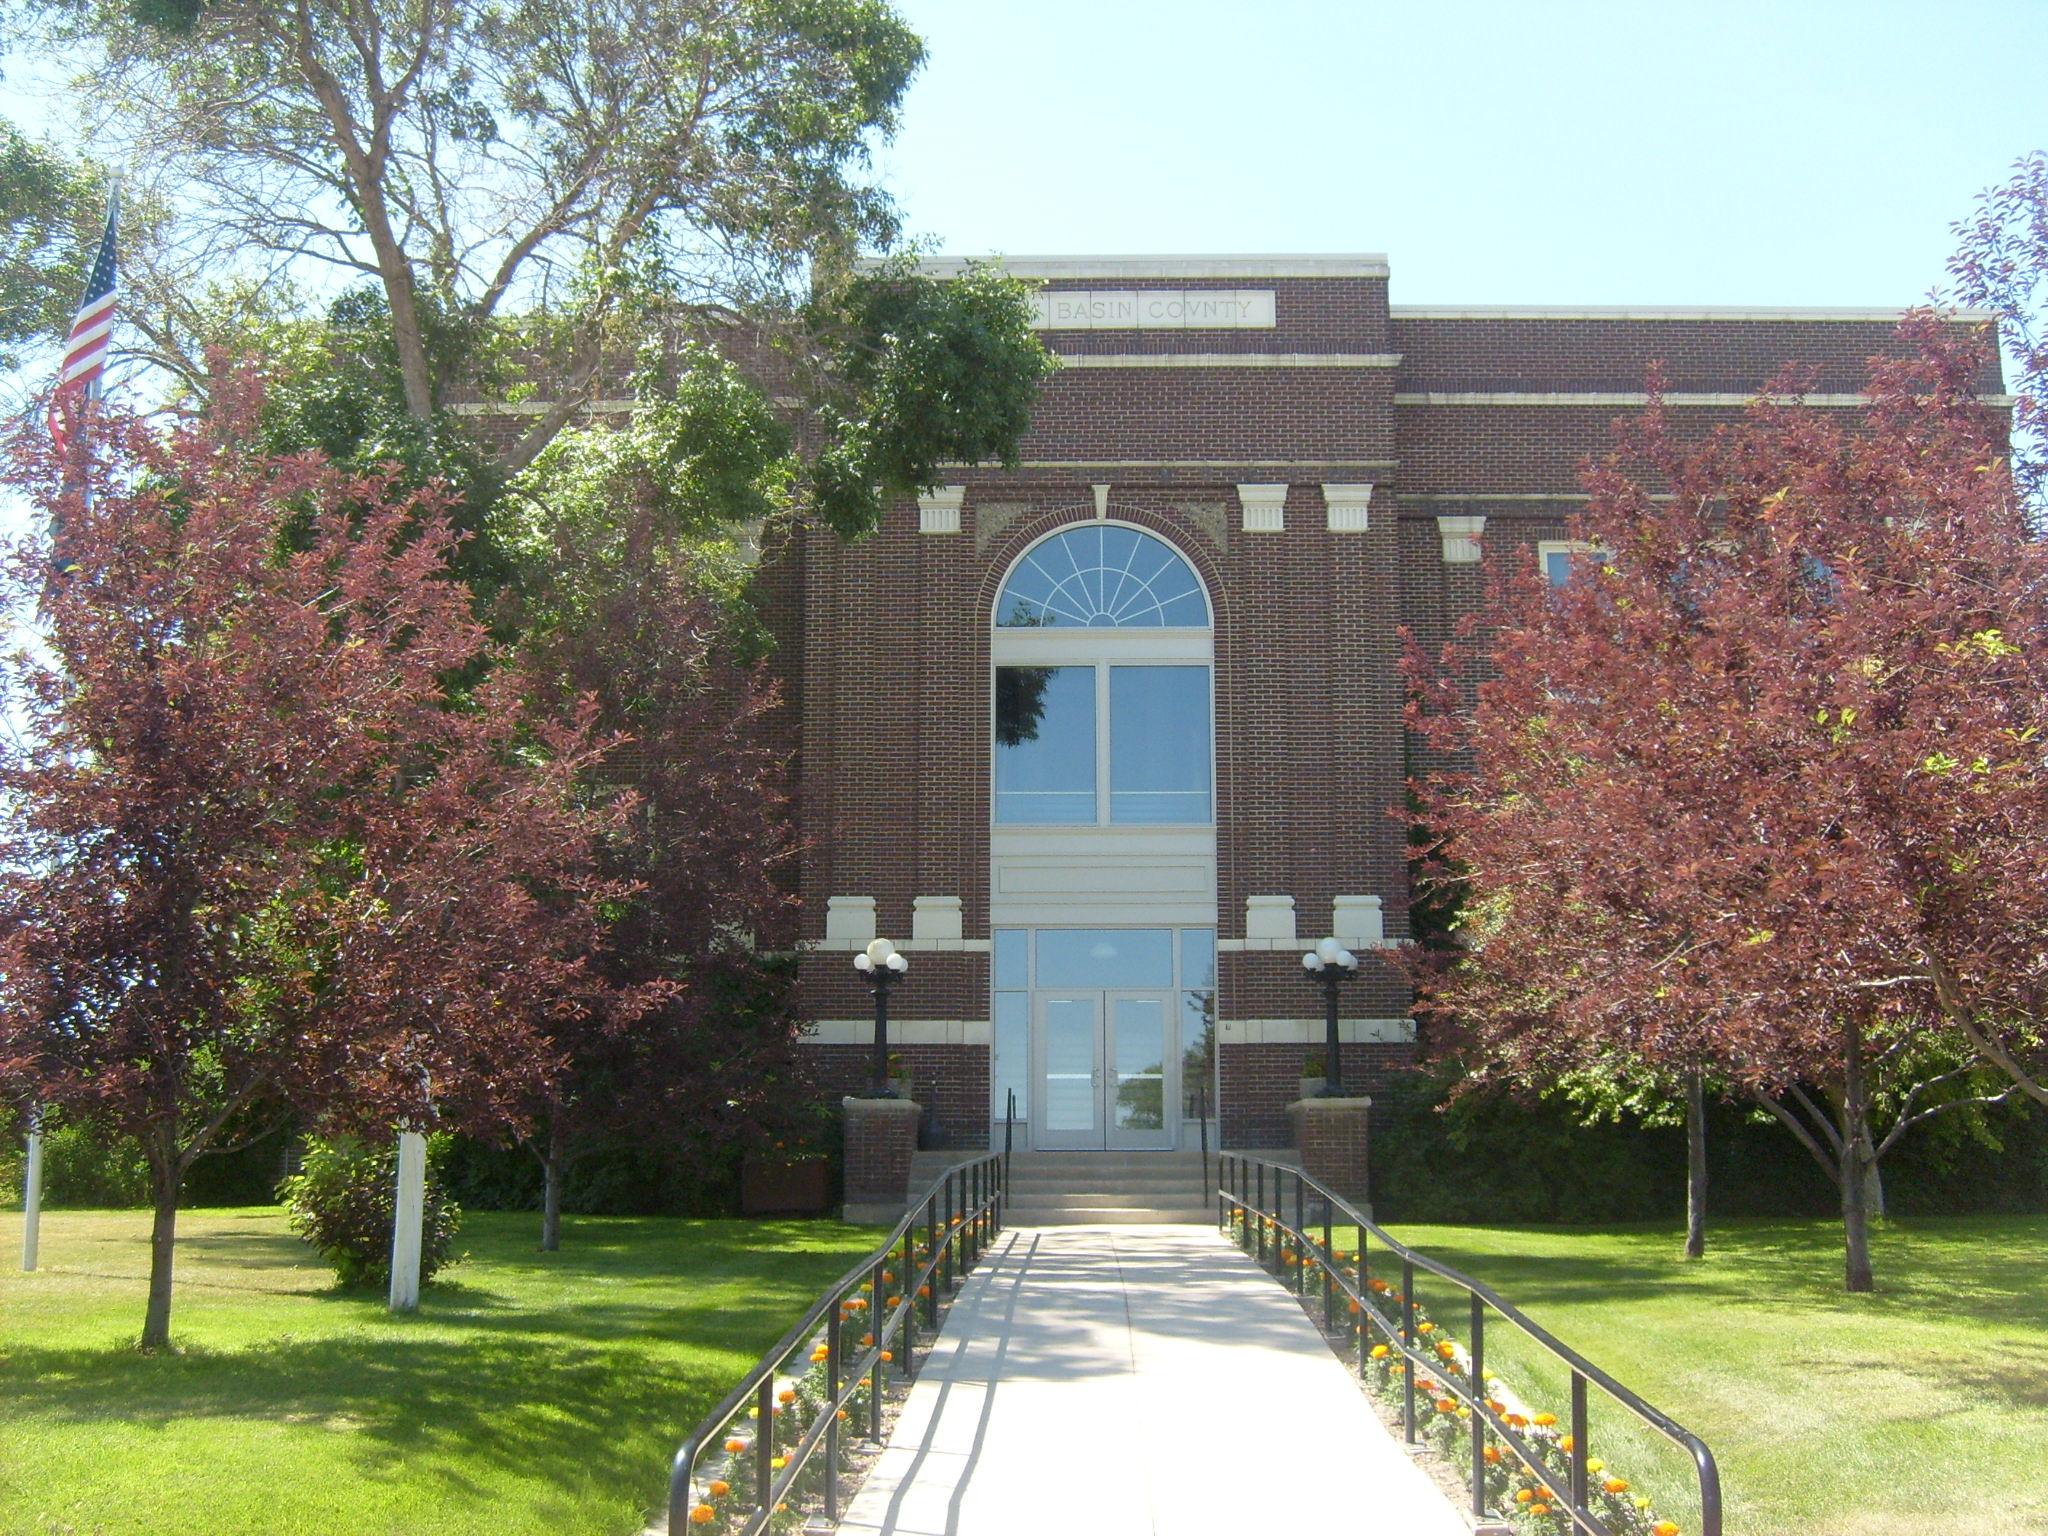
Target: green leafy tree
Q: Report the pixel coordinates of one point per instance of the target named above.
(513, 196)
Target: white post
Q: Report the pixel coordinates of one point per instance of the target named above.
(32, 1195)
(407, 1220)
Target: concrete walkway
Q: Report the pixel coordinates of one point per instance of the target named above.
(1134, 1380)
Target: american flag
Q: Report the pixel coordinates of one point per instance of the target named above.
(85, 351)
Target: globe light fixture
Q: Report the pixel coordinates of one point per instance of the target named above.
(883, 967)
(1328, 965)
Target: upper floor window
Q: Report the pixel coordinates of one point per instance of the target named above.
(1102, 708)
(1102, 576)
(1560, 558)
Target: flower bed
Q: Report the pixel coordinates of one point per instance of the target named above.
(1523, 1492)
(724, 1492)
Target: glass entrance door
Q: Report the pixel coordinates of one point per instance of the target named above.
(1107, 1070)
(1069, 1097)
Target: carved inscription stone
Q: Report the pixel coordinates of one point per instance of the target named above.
(1154, 309)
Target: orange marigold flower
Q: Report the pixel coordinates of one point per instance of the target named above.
(924, 1290)
(1544, 1420)
(1491, 1455)
(1496, 1405)
(1616, 1485)
(1539, 1509)
(1377, 1285)
(703, 1514)
(1446, 1405)
(888, 1355)
(1354, 1308)
(719, 1488)
(1524, 1495)
(1426, 1328)
(1516, 1421)
(1379, 1351)
(1444, 1348)
(734, 1447)
(895, 1301)
(1564, 1443)
(786, 1395)
(1664, 1528)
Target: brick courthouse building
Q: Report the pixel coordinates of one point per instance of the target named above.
(1104, 742)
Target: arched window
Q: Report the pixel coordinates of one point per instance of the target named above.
(1102, 576)
(1102, 710)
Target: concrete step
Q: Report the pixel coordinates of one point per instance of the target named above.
(1113, 1216)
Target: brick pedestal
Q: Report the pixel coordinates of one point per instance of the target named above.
(1333, 1135)
(881, 1136)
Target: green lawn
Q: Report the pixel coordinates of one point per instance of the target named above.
(533, 1393)
(1920, 1410)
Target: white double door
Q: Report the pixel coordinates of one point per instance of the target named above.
(1107, 1066)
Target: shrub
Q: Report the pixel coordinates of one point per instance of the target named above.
(342, 1201)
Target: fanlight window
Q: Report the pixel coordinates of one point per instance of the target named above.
(1102, 576)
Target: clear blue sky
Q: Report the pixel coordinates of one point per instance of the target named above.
(1547, 152)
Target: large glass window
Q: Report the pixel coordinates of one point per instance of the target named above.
(1054, 726)
(1158, 744)
(1105, 957)
(1102, 576)
(1045, 744)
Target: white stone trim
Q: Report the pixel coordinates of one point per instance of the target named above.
(1265, 507)
(1461, 537)
(1627, 398)
(935, 917)
(1307, 1031)
(939, 511)
(1356, 920)
(850, 920)
(831, 945)
(1229, 359)
(1348, 508)
(1270, 918)
(1657, 312)
(1101, 502)
(1294, 945)
(1062, 267)
(1310, 465)
(901, 1032)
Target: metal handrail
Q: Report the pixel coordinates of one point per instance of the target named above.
(961, 1213)
(1250, 1195)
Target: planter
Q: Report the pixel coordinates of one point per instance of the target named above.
(901, 1087)
(1312, 1087)
(780, 1186)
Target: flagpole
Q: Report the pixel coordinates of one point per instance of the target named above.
(94, 383)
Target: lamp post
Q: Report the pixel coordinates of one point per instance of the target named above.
(1328, 965)
(883, 967)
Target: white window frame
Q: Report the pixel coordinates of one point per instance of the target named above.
(1136, 645)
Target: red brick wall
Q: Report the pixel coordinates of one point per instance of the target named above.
(1260, 1081)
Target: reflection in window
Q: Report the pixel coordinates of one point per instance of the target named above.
(1105, 958)
(1158, 744)
(1102, 576)
(1045, 754)
(1010, 1066)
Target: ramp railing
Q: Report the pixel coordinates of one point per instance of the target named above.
(778, 1439)
(1253, 1197)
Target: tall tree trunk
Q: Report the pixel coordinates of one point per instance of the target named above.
(165, 1178)
(551, 1191)
(1856, 1164)
(1695, 1168)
